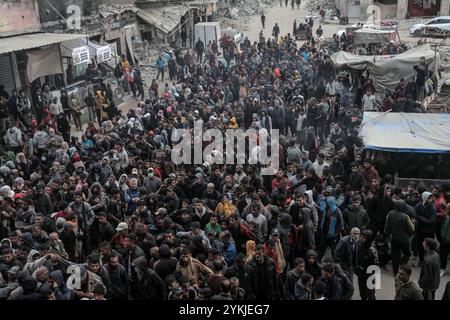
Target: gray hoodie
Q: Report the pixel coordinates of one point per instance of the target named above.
(13, 137)
(31, 266)
(313, 207)
(40, 139)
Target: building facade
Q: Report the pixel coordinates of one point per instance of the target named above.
(390, 9)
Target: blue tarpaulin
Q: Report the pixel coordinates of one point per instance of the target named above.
(406, 132)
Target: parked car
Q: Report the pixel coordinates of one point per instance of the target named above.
(438, 22)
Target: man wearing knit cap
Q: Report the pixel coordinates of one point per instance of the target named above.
(426, 220)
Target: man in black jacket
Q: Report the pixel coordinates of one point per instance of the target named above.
(166, 264)
(426, 220)
(225, 288)
(132, 251)
(400, 228)
(146, 284)
(355, 178)
(94, 266)
(346, 252)
(292, 277)
(334, 289)
(120, 285)
(264, 270)
(245, 274)
(199, 48)
(42, 201)
(429, 274)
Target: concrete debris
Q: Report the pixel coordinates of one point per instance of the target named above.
(312, 5)
(107, 10)
(243, 8)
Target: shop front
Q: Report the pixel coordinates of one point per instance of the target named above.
(424, 8)
(29, 60)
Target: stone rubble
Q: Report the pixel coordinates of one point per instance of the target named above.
(244, 8)
(311, 5)
(113, 9)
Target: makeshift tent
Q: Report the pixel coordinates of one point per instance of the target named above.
(388, 70)
(406, 132)
(368, 36)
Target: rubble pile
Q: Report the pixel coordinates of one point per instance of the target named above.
(312, 5)
(243, 8)
(114, 9)
(441, 99)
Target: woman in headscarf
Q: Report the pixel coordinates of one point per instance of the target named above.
(226, 207)
(123, 183)
(23, 165)
(233, 123)
(250, 247)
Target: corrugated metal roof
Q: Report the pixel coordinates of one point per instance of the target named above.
(164, 18)
(34, 40)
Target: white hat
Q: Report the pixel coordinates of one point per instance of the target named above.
(122, 226)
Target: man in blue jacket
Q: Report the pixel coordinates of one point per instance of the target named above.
(160, 65)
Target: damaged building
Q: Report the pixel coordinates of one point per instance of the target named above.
(389, 9)
(163, 22)
(128, 23)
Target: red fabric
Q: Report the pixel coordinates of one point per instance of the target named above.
(271, 254)
(277, 73)
(118, 241)
(441, 207)
(245, 230)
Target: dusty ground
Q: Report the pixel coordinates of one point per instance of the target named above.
(285, 17)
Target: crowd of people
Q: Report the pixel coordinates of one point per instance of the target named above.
(136, 226)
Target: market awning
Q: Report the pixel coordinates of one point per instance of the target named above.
(165, 18)
(388, 70)
(34, 40)
(406, 132)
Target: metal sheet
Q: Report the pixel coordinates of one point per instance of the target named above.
(165, 19)
(34, 40)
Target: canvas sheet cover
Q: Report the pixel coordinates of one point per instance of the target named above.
(406, 132)
(388, 70)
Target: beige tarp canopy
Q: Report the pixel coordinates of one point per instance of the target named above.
(388, 70)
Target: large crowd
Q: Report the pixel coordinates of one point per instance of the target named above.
(112, 217)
